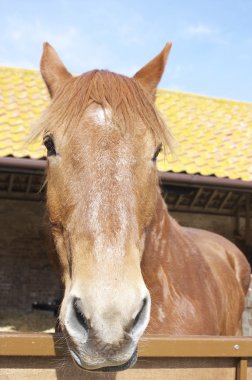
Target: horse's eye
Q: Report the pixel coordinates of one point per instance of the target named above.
(157, 151)
(49, 144)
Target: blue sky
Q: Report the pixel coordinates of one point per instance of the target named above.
(212, 40)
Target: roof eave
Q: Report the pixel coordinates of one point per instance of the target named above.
(171, 178)
(196, 180)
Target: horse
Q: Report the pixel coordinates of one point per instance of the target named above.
(124, 261)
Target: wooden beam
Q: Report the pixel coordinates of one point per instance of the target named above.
(227, 196)
(242, 370)
(48, 345)
(12, 176)
(195, 198)
(210, 199)
(28, 186)
(178, 201)
(247, 219)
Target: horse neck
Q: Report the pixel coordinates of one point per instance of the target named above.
(157, 236)
(164, 241)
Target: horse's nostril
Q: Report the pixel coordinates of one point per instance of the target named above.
(138, 316)
(79, 314)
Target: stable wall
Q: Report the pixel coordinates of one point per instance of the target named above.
(26, 274)
(223, 225)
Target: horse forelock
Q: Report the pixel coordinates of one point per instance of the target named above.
(128, 101)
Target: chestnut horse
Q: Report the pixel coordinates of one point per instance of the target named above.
(117, 246)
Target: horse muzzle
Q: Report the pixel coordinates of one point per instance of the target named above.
(110, 366)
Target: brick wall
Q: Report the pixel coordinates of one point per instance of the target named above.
(223, 225)
(26, 274)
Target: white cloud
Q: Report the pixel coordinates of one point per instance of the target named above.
(204, 32)
(21, 45)
(22, 33)
(200, 30)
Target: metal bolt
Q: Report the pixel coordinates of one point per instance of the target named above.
(236, 347)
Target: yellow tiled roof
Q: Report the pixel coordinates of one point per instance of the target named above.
(23, 97)
(212, 136)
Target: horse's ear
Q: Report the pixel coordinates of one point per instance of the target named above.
(52, 69)
(150, 75)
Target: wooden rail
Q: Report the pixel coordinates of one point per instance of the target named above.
(48, 346)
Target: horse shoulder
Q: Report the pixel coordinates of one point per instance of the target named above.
(214, 246)
(223, 274)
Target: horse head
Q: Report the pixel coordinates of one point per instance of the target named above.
(102, 134)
